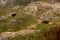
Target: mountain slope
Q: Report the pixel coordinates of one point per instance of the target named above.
(35, 20)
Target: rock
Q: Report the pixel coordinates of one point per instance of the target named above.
(16, 7)
(53, 13)
(16, 21)
(31, 10)
(3, 17)
(12, 2)
(26, 32)
(3, 2)
(8, 34)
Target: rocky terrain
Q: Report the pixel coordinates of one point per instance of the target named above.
(29, 20)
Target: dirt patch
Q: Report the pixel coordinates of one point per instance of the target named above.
(32, 26)
(58, 35)
(39, 21)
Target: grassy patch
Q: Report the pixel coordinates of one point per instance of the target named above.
(44, 27)
(36, 36)
(18, 24)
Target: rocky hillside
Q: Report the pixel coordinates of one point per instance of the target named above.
(29, 19)
(14, 2)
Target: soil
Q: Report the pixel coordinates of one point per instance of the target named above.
(58, 35)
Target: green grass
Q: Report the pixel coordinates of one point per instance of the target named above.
(17, 25)
(14, 26)
(35, 36)
(3, 11)
(44, 27)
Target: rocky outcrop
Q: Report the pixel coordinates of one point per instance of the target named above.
(8, 35)
(49, 11)
(12, 2)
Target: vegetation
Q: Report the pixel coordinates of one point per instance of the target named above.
(21, 21)
(35, 36)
